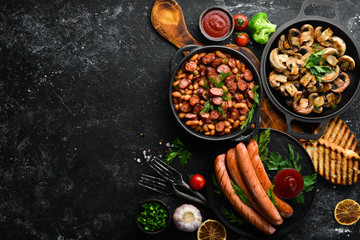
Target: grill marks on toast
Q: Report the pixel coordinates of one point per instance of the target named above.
(336, 154)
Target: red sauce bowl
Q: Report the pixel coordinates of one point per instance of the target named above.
(216, 24)
(288, 183)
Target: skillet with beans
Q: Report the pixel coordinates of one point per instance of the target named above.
(214, 93)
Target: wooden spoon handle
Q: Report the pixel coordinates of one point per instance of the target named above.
(168, 20)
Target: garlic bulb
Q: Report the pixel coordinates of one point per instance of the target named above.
(187, 218)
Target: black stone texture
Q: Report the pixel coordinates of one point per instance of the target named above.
(84, 91)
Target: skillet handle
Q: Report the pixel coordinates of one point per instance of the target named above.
(174, 59)
(307, 136)
(250, 132)
(327, 3)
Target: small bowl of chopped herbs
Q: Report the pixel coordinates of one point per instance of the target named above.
(153, 216)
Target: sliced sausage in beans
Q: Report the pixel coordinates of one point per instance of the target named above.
(217, 62)
(238, 97)
(197, 108)
(232, 87)
(194, 100)
(230, 78)
(206, 117)
(211, 72)
(217, 101)
(208, 58)
(184, 83)
(234, 115)
(220, 126)
(248, 75)
(244, 110)
(215, 92)
(214, 114)
(185, 107)
(223, 68)
(232, 63)
(242, 85)
(190, 66)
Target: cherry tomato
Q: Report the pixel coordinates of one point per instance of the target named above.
(241, 38)
(240, 22)
(197, 182)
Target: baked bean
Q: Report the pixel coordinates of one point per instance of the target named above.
(191, 76)
(182, 115)
(231, 121)
(192, 122)
(250, 94)
(212, 133)
(193, 58)
(205, 127)
(211, 126)
(220, 54)
(176, 83)
(235, 70)
(207, 133)
(238, 64)
(243, 67)
(224, 88)
(196, 85)
(227, 123)
(176, 94)
(179, 72)
(227, 130)
(242, 118)
(236, 124)
(240, 105)
(190, 116)
(197, 129)
(200, 55)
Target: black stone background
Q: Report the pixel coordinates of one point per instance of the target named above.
(80, 82)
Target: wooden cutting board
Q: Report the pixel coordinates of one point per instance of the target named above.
(168, 20)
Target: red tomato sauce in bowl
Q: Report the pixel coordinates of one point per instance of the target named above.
(288, 183)
(216, 24)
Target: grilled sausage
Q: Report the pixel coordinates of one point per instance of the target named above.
(217, 100)
(185, 107)
(190, 66)
(245, 211)
(208, 58)
(232, 87)
(223, 68)
(254, 185)
(242, 85)
(214, 114)
(248, 75)
(237, 177)
(194, 100)
(217, 62)
(252, 147)
(220, 126)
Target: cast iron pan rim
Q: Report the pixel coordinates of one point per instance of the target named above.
(264, 61)
(249, 64)
(211, 203)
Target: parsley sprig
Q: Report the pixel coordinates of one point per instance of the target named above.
(250, 114)
(230, 216)
(152, 216)
(179, 150)
(263, 140)
(241, 193)
(313, 65)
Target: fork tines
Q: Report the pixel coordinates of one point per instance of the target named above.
(162, 169)
(156, 184)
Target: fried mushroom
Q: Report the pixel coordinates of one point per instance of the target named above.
(346, 63)
(276, 79)
(323, 37)
(338, 44)
(307, 35)
(276, 60)
(340, 83)
(294, 39)
(301, 105)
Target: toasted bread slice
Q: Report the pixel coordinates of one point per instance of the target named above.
(336, 154)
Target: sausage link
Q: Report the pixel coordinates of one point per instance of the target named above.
(237, 177)
(223, 68)
(245, 211)
(254, 185)
(252, 147)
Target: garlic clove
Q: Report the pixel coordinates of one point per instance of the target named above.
(187, 218)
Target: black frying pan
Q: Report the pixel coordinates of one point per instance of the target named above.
(351, 49)
(237, 135)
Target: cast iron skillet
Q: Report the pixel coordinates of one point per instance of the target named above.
(351, 49)
(279, 142)
(237, 135)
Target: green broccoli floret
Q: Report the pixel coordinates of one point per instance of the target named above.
(260, 27)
